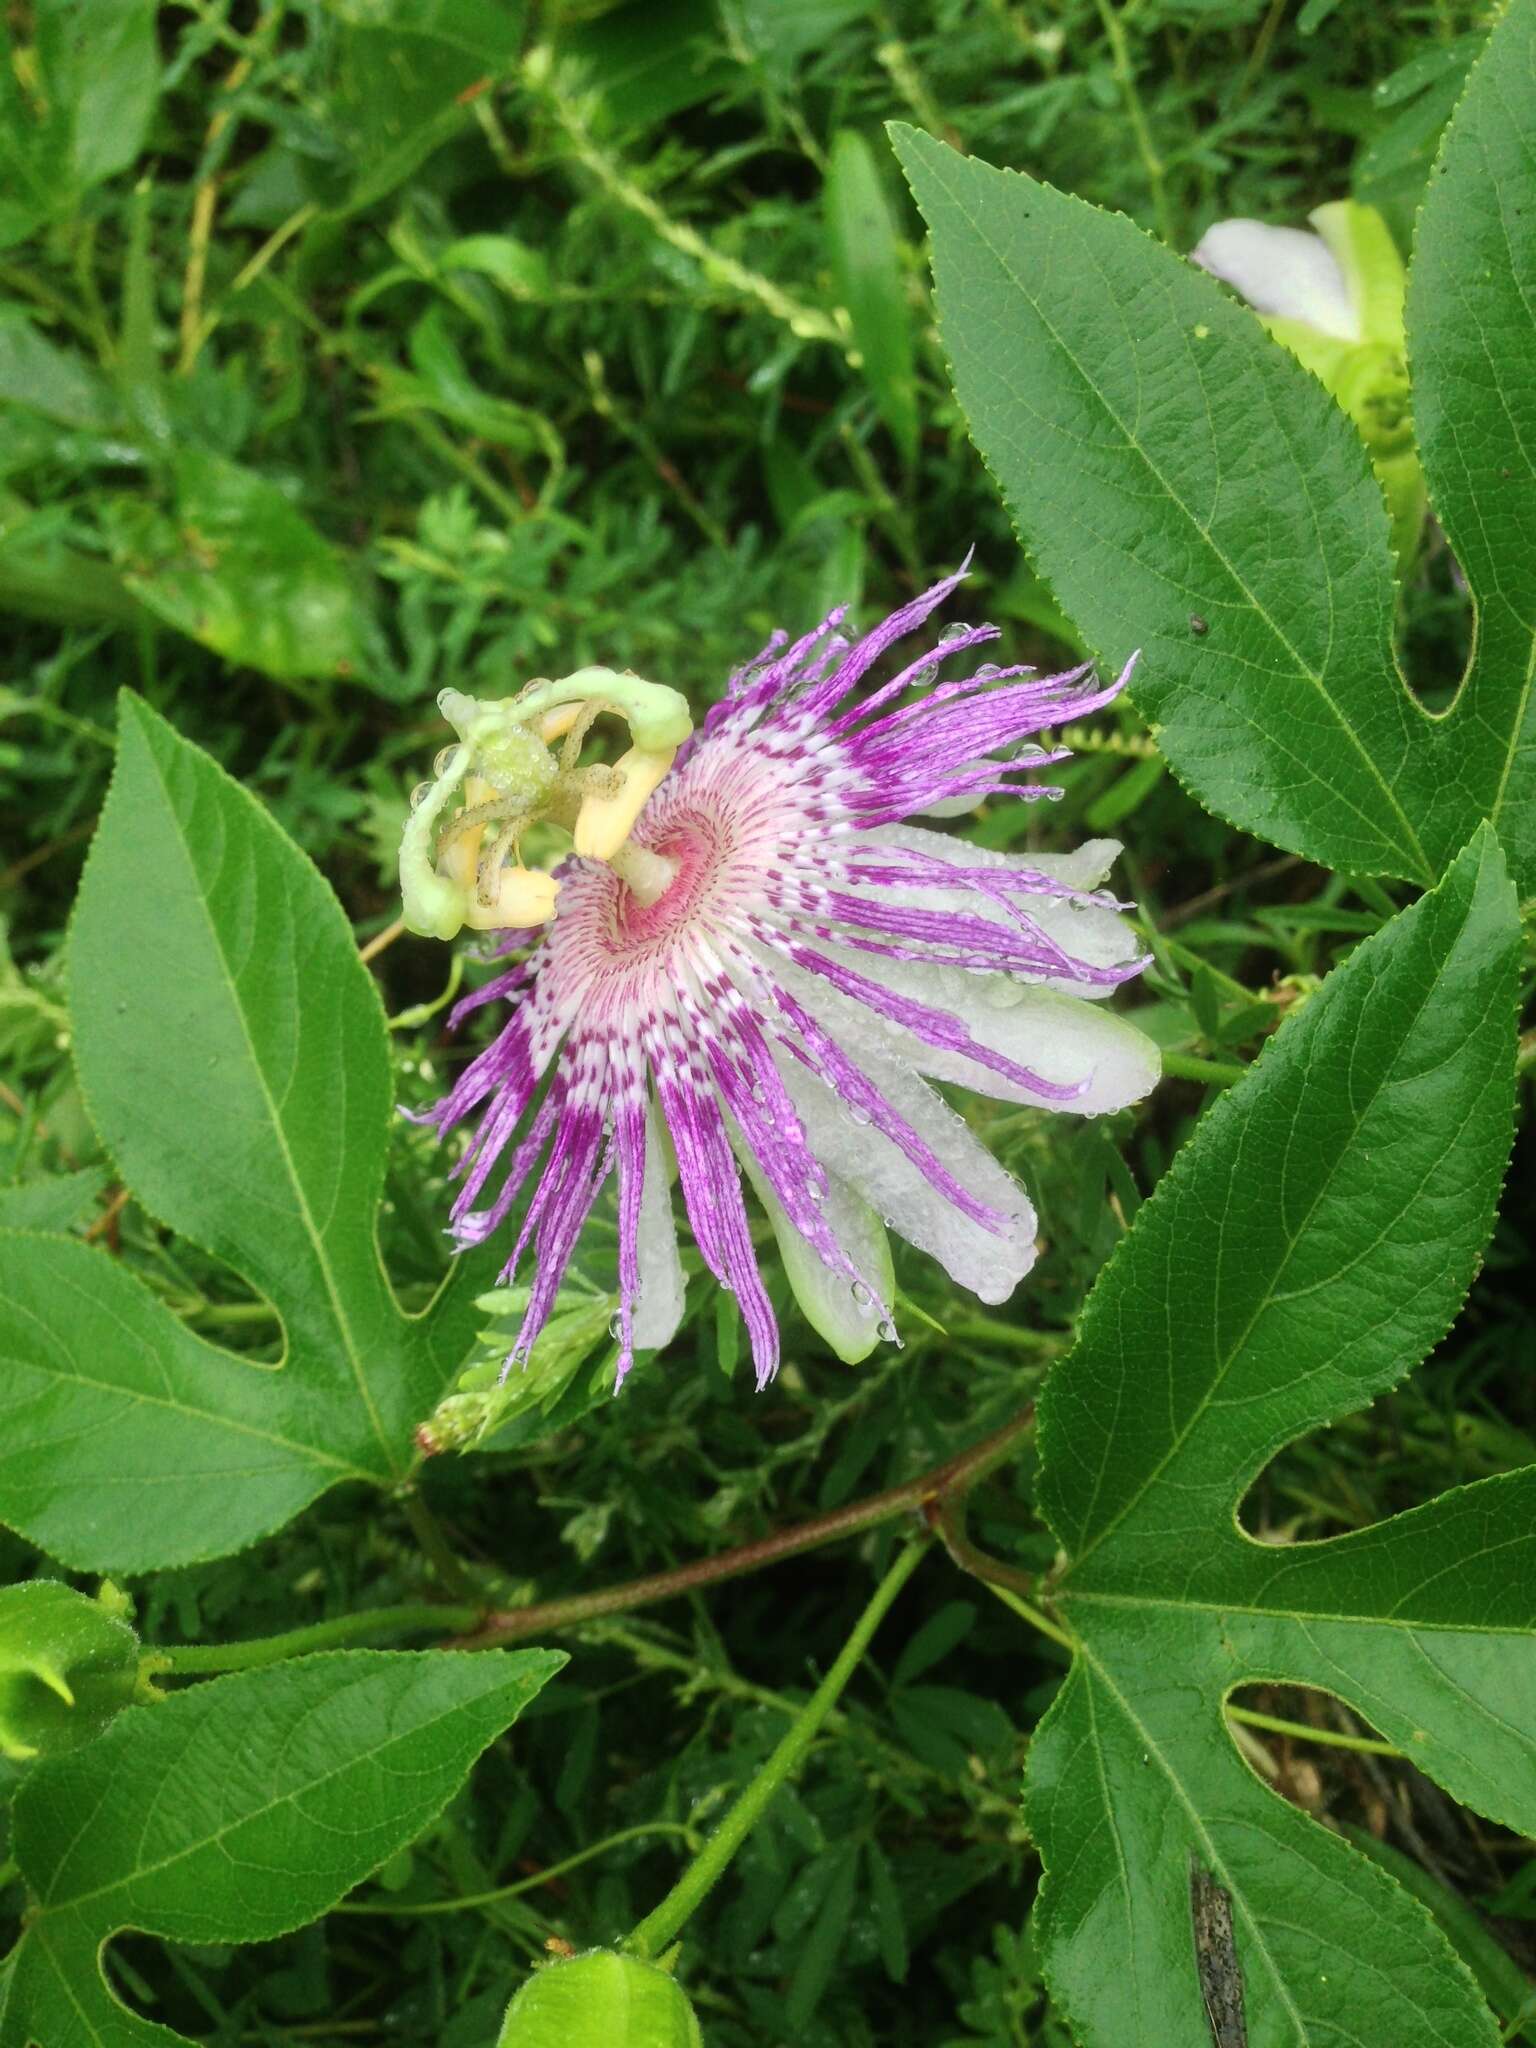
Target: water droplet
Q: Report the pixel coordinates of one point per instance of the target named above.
(989, 669)
(441, 759)
(616, 1329)
(888, 1333)
(861, 1294)
(953, 633)
(420, 794)
(859, 1116)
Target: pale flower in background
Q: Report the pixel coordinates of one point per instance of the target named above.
(1334, 297)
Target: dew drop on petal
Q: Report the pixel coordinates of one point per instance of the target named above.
(861, 1294)
(420, 794)
(441, 759)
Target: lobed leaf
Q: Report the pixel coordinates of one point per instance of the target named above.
(238, 1072)
(235, 1811)
(1472, 349)
(1185, 487)
(1309, 1243)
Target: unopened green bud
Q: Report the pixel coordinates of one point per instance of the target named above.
(600, 2000)
(67, 1665)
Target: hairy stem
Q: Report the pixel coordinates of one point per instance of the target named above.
(660, 1927)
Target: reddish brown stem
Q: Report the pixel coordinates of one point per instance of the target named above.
(926, 1494)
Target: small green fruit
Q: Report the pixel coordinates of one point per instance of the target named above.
(600, 2000)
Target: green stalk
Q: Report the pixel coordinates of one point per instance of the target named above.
(1188, 1066)
(203, 1659)
(659, 1928)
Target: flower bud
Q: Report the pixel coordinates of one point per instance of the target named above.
(67, 1665)
(600, 2000)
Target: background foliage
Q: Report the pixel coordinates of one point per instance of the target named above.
(352, 350)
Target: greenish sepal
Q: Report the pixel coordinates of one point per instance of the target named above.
(600, 2000)
(841, 1311)
(1361, 243)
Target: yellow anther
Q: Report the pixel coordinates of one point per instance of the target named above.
(604, 822)
(524, 897)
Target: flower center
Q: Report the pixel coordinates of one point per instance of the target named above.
(694, 854)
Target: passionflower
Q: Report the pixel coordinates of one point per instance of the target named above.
(755, 971)
(1335, 299)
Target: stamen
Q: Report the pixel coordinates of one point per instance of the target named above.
(510, 778)
(606, 819)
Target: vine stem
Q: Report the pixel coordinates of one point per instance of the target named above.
(956, 1475)
(1188, 1066)
(447, 1567)
(394, 1909)
(204, 1660)
(472, 1627)
(660, 1927)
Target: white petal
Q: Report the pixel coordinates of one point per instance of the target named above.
(846, 1315)
(659, 1308)
(1097, 936)
(989, 1264)
(1061, 1038)
(1284, 271)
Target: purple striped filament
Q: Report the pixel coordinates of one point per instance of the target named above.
(774, 1019)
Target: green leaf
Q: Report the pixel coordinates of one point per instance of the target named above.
(76, 111)
(127, 1443)
(823, 1941)
(55, 1201)
(1504, 1984)
(866, 267)
(235, 1811)
(1186, 488)
(1472, 351)
(1310, 1242)
(405, 72)
(240, 570)
(67, 1666)
(41, 378)
(639, 65)
(238, 1073)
